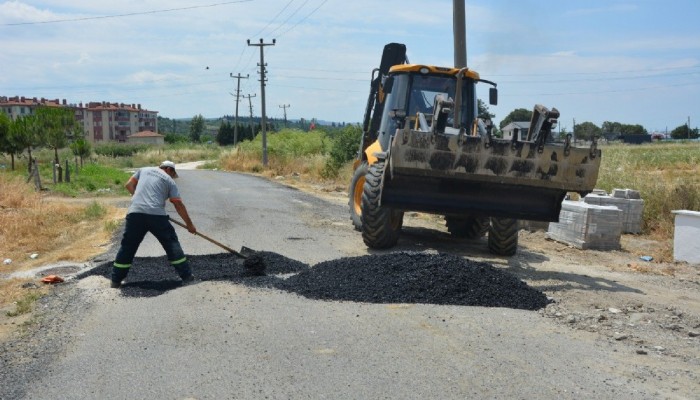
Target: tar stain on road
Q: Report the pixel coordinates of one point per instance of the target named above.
(403, 277)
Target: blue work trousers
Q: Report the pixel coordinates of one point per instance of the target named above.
(137, 225)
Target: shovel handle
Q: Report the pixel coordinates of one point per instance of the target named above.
(230, 250)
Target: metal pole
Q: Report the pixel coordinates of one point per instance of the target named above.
(262, 96)
(460, 33)
(238, 95)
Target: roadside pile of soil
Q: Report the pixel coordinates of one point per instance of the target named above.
(409, 277)
(404, 277)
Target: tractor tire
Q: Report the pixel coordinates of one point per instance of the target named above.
(357, 185)
(467, 227)
(381, 226)
(503, 236)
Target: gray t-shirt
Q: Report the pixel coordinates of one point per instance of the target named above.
(154, 186)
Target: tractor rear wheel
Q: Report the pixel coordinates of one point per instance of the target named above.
(381, 226)
(467, 227)
(503, 236)
(357, 185)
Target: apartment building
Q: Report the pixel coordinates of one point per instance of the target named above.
(102, 121)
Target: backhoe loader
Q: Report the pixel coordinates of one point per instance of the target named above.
(424, 149)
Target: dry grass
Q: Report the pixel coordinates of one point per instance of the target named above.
(63, 230)
(666, 174)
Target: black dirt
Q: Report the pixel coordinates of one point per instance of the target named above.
(415, 278)
(405, 277)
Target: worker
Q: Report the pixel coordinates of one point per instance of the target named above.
(150, 187)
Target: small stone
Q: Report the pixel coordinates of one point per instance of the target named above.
(614, 310)
(620, 336)
(571, 319)
(693, 334)
(642, 352)
(34, 256)
(659, 348)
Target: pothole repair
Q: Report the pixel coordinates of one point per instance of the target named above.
(402, 277)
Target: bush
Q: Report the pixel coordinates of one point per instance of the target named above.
(120, 149)
(346, 145)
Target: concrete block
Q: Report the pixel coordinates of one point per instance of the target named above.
(686, 246)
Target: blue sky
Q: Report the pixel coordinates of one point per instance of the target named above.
(635, 62)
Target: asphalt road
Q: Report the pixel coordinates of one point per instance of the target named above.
(221, 340)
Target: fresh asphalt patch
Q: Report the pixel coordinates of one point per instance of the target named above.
(401, 277)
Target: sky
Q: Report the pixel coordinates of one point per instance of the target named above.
(634, 62)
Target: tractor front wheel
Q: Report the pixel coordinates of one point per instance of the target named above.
(381, 226)
(503, 236)
(357, 185)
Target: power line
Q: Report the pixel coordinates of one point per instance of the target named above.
(303, 19)
(56, 21)
(273, 19)
(289, 17)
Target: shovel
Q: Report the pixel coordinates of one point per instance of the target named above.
(244, 253)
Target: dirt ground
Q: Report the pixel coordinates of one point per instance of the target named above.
(648, 312)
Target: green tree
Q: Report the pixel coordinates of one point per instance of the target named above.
(25, 133)
(196, 128)
(58, 126)
(587, 131)
(483, 111)
(517, 115)
(684, 132)
(81, 148)
(226, 133)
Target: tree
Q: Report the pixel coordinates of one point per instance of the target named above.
(483, 111)
(633, 130)
(517, 115)
(684, 132)
(226, 133)
(25, 133)
(196, 128)
(81, 148)
(5, 140)
(58, 126)
(587, 131)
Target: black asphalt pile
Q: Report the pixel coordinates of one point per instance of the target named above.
(415, 278)
(403, 277)
(153, 276)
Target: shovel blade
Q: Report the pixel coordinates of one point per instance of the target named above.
(247, 251)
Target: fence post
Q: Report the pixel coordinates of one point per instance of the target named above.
(67, 172)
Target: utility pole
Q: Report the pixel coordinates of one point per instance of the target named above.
(238, 95)
(460, 33)
(573, 131)
(263, 122)
(688, 126)
(250, 104)
(285, 106)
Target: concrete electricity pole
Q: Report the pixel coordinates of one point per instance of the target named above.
(263, 121)
(460, 33)
(238, 95)
(285, 106)
(250, 104)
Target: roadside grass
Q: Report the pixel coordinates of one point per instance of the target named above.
(55, 230)
(25, 303)
(666, 174)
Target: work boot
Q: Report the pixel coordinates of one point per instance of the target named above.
(115, 285)
(189, 280)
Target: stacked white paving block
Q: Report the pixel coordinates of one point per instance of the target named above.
(627, 200)
(587, 226)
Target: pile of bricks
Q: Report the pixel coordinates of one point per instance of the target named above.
(587, 226)
(627, 200)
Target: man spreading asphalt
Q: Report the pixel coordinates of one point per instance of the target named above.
(150, 187)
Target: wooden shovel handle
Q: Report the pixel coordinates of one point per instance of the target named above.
(230, 250)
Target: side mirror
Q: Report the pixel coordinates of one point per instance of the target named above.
(493, 96)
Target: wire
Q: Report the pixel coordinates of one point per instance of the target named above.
(56, 21)
(273, 19)
(303, 19)
(289, 17)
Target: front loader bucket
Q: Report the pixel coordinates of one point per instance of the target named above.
(473, 175)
